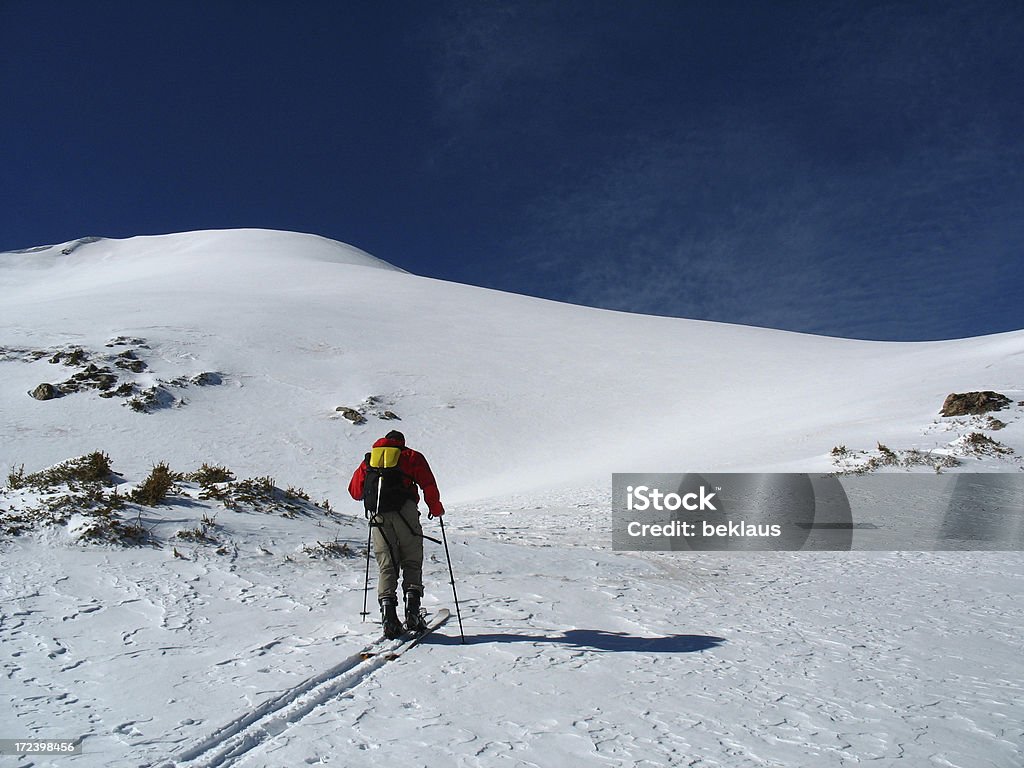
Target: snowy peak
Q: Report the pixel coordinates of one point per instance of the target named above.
(253, 266)
(200, 251)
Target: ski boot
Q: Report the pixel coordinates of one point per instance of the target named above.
(389, 618)
(414, 621)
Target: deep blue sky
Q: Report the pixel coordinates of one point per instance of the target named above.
(847, 168)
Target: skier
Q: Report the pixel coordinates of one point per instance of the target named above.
(386, 482)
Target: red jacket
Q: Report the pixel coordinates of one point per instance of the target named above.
(413, 464)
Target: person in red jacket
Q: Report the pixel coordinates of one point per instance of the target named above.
(388, 481)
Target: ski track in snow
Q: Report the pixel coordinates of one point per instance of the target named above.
(575, 655)
(227, 744)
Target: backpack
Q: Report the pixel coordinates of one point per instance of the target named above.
(386, 488)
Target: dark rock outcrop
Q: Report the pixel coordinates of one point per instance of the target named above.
(45, 392)
(973, 403)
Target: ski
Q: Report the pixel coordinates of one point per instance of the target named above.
(409, 639)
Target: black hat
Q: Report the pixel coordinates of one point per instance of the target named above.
(396, 436)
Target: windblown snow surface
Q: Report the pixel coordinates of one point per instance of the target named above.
(238, 347)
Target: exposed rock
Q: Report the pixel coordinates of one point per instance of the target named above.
(75, 357)
(45, 392)
(106, 372)
(351, 414)
(136, 366)
(74, 245)
(973, 403)
(125, 341)
(92, 377)
(389, 416)
(153, 398)
(207, 379)
(128, 362)
(22, 354)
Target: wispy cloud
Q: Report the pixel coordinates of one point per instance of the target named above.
(737, 229)
(489, 51)
(809, 215)
(833, 169)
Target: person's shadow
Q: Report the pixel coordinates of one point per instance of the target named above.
(594, 640)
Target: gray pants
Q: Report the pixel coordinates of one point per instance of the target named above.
(397, 544)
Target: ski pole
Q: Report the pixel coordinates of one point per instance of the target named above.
(451, 573)
(366, 582)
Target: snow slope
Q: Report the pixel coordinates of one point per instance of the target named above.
(488, 384)
(576, 655)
